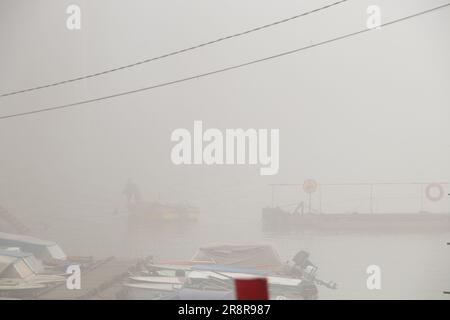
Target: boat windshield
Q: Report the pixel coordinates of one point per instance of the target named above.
(34, 264)
(22, 269)
(56, 252)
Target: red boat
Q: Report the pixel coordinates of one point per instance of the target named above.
(157, 211)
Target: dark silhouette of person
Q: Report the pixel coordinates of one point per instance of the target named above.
(132, 192)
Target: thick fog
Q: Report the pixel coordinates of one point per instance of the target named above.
(374, 108)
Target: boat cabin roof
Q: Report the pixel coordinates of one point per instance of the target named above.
(260, 256)
(24, 239)
(40, 248)
(29, 258)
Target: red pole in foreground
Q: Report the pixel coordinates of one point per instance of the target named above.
(252, 289)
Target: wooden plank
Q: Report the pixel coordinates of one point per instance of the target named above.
(104, 277)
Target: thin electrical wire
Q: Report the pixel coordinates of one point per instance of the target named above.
(202, 75)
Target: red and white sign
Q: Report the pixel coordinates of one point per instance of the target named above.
(252, 289)
(310, 186)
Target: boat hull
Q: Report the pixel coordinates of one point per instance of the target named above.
(144, 212)
(277, 219)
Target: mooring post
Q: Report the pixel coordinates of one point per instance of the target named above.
(320, 198)
(421, 197)
(273, 196)
(371, 198)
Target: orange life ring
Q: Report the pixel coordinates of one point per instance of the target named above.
(430, 195)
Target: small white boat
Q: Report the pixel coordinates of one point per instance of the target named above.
(153, 286)
(282, 281)
(168, 280)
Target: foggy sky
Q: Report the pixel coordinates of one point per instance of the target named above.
(374, 108)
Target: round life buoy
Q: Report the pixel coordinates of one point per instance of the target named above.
(434, 195)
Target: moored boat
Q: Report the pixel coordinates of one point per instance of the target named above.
(212, 272)
(156, 211)
(278, 219)
(416, 207)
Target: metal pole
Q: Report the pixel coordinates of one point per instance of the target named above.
(421, 198)
(310, 203)
(320, 198)
(273, 196)
(371, 198)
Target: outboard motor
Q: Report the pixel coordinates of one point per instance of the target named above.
(301, 259)
(305, 269)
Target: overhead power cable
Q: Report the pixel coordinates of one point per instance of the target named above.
(202, 75)
(173, 53)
